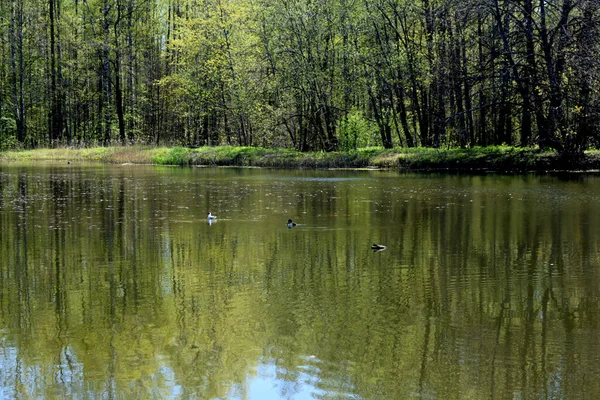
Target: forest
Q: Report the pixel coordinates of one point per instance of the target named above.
(308, 75)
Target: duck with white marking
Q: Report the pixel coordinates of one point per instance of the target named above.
(378, 247)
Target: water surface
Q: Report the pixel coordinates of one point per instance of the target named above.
(114, 285)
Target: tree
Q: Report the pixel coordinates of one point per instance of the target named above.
(17, 67)
(288, 73)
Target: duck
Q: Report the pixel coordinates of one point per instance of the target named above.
(211, 217)
(291, 223)
(378, 247)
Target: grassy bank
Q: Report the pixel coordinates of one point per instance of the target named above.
(480, 158)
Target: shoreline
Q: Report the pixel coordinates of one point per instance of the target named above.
(496, 159)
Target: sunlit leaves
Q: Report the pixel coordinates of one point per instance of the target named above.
(287, 72)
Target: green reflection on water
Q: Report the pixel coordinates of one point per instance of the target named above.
(114, 284)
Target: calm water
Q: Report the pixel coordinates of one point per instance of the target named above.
(114, 285)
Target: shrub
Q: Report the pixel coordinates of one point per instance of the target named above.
(356, 131)
(8, 131)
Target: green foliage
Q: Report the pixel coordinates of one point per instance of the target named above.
(174, 156)
(325, 75)
(356, 131)
(496, 158)
(8, 131)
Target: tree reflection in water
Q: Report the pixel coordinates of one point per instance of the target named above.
(113, 284)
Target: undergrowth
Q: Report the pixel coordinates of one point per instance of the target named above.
(502, 158)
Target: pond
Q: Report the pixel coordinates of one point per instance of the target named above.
(113, 284)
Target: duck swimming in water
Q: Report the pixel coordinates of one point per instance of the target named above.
(378, 247)
(211, 217)
(291, 223)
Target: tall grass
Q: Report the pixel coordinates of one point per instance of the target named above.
(493, 157)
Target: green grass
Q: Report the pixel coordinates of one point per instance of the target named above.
(497, 158)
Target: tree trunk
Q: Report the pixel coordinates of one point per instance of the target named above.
(401, 109)
(17, 72)
(131, 75)
(482, 134)
(382, 122)
(56, 109)
(105, 77)
(119, 99)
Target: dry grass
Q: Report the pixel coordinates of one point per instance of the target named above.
(133, 154)
(499, 158)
